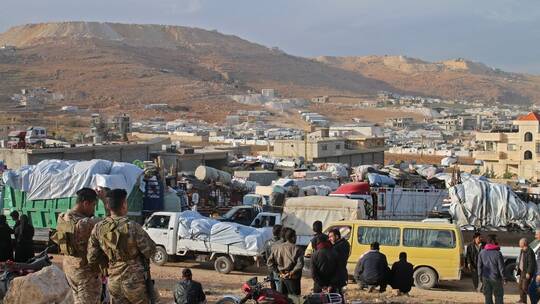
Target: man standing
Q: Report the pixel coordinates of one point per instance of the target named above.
(471, 257)
(128, 249)
(194, 200)
(15, 217)
(72, 233)
(343, 250)
(525, 268)
(317, 230)
(188, 291)
(324, 266)
(491, 271)
(372, 270)
(535, 283)
(268, 247)
(288, 260)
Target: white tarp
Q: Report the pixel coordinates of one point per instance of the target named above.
(483, 204)
(52, 179)
(192, 225)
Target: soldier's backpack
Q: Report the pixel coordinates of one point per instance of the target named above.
(65, 235)
(114, 235)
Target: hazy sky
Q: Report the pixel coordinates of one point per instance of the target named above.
(500, 33)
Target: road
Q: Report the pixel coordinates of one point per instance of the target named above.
(216, 285)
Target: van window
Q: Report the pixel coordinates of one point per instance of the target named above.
(268, 221)
(383, 235)
(159, 222)
(344, 230)
(432, 238)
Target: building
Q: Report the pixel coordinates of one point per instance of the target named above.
(399, 122)
(268, 93)
(16, 158)
(354, 151)
(512, 151)
(457, 123)
(320, 99)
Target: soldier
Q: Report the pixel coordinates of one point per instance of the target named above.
(128, 249)
(73, 231)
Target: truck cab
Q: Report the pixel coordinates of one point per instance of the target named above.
(16, 139)
(266, 220)
(244, 215)
(36, 136)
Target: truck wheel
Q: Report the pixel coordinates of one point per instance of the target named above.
(425, 278)
(160, 257)
(223, 264)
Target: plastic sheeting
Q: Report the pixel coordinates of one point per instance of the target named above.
(483, 204)
(380, 180)
(52, 179)
(192, 225)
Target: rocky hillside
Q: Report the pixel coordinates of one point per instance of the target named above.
(459, 78)
(124, 66)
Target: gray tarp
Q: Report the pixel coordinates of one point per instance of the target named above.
(483, 204)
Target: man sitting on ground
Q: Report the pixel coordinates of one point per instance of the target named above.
(372, 270)
(402, 275)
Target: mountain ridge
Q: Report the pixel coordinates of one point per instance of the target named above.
(179, 64)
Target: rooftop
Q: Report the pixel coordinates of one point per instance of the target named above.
(532, 116)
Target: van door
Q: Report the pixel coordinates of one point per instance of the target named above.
(160, 228)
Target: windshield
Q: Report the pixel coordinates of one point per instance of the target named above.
(230, 213)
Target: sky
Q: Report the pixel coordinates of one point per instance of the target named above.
(501, 33)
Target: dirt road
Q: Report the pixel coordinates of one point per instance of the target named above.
(216, 285)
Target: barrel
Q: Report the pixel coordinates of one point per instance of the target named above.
(208, 174)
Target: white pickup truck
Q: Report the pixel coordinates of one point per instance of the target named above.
(163, 228)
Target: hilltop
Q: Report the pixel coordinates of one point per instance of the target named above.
(125, 66)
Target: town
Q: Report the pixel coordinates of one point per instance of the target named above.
(153, 163)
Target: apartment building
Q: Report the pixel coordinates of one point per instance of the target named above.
(514, 150)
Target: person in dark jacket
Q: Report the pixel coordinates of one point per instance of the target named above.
(372, 269)
(6, 248)
(323, 266)
(535, 282)
(24, 243)
(15, 218)
(188, 291)
(276, 240)
(525, 268)
(471, 257)
(491, 271)
(402, 274)
(343, 250)
(317, 230)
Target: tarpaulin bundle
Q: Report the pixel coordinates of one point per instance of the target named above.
(480, 203)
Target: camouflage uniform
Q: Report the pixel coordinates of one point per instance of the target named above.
(73, 232)
(125, 244)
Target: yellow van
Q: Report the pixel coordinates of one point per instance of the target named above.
(435, 249)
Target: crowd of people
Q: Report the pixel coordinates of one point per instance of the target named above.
(16, 243)
(486, 264)
(330, 253)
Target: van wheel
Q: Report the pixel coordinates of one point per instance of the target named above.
(160, 257)
(425, 278)
(223, 264)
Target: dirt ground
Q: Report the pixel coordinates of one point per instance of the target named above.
(216, 285)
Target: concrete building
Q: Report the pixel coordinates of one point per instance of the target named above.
(399, 122)
(515, 150)
(320, 99)
(16, 158)
(190, 160)
(457, 123)
(268, 93)
(354, 151)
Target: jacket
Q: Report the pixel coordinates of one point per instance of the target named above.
(287, 258)
(372, 268)
(491, 263)
(529, 262)
(269, 244)
(189, 292)
(343, 251)
(402, 276)
(471, 256)
(324, 267)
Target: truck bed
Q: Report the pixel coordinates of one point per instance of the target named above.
(207, 247)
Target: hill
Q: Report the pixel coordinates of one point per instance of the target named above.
(112, 66)
(455, 79)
